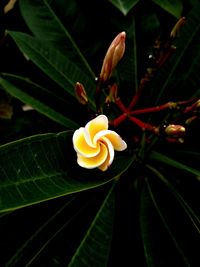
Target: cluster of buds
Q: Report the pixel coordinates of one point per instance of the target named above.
(161, 51)
(113, 55)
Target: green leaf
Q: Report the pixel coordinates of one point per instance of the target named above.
(146, 226)
(95, 246)
(124, 5)
(45, 25)
(128, 68)
(166, 160)
(43, 167)
(58, 67)
(27, 94)
(173, 7)
(155, 222)
(194, 156)
(186, 207)
(194, 2)
(31, 249)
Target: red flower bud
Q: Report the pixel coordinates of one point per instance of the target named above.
(81, 94)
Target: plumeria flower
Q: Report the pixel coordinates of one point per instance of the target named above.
(95, 144)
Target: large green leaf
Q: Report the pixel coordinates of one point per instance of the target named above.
(186, 207)
(124, 5)
(38, 97)
(128, 67)
(173, 7)
(57, 66)
(43, 167)
(95, 246)
(45, 25)
(146, 226)
(34, 245)
(194, 156)
(166, 160)
(156, 226)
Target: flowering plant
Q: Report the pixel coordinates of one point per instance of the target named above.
(100, 134)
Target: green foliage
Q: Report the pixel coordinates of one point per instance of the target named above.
(97, 240)
(142, 211)
(124, 6)
(40, 176)
(35, 98)
(51, 61)
(173, 7)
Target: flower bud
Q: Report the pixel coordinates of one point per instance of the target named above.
(191, 119)
(194, 107)
(81, 94)
(177, 27)
(198, 103)
(173, 130)
(10, 5)
(112, 93)
(114, 54)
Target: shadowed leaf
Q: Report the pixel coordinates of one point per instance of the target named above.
(95, 246)
(46, 26)
(57, 66)
(37, 97)
(44, 167)
(124, 5)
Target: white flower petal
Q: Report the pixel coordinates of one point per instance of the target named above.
(110, 157)
(117, 142)
(93, 127)
(95, 161)
(81, 146)
(110, 148)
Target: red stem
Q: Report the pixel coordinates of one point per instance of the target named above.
(139, 92)
(154, 109)
(118, 120)
(121, 105)
(143, 125)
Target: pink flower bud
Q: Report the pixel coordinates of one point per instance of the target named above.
(81, 93)
(114, 54)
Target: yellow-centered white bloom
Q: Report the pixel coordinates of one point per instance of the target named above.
(95, 144)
